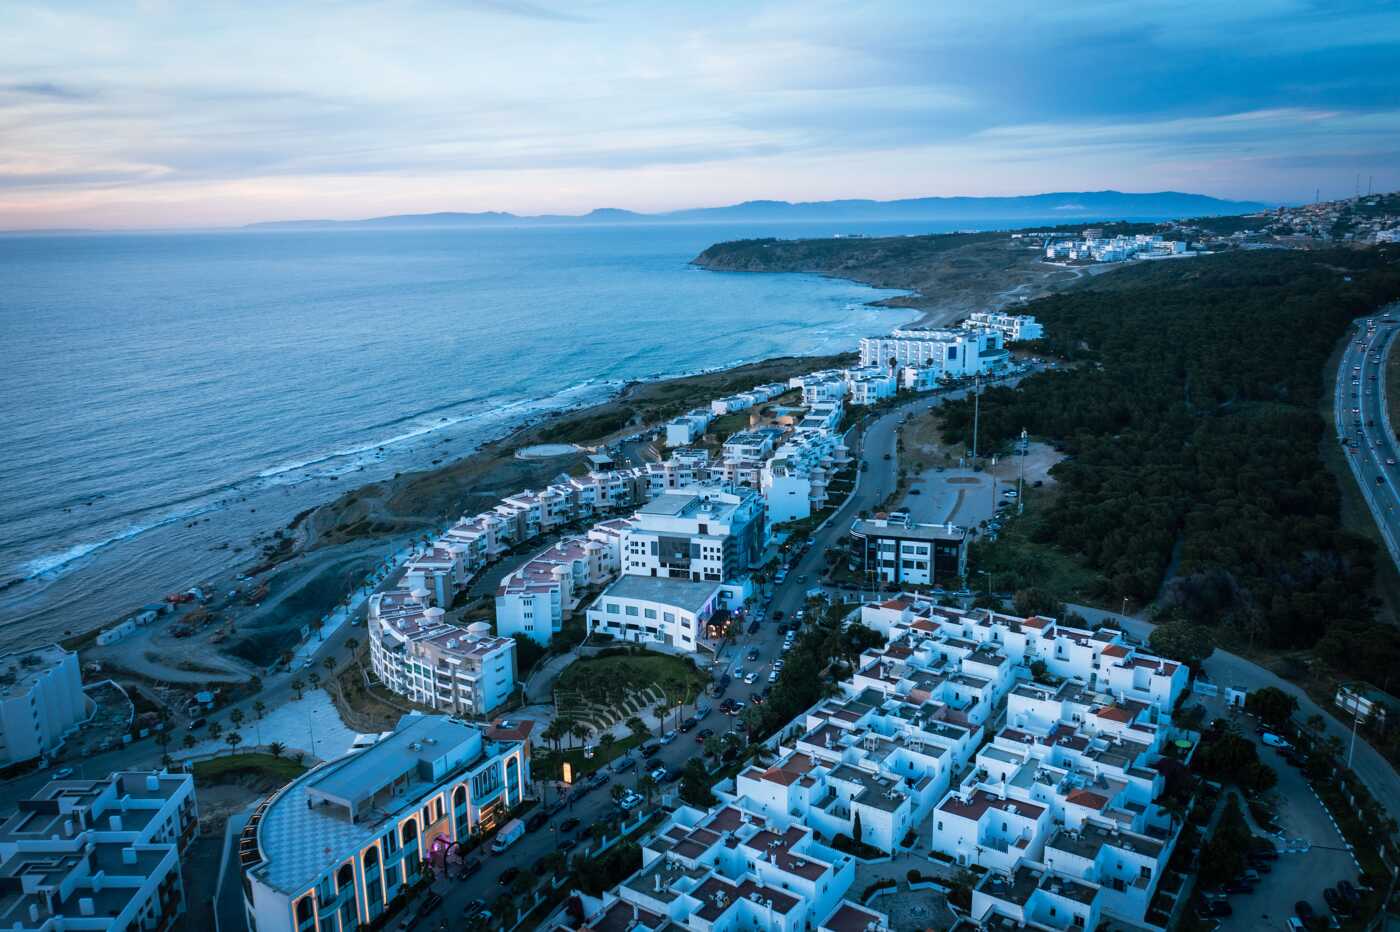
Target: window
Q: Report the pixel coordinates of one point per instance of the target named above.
(613, 609)
(649, 613)
(345, 876)
(669, 617)
(371, 858)
(632, 610)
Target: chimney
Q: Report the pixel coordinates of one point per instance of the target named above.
(33, 915)
(67, 828)
(657, 885)
(85, 906)
(152, 782)
(128, 855)
(115, 823)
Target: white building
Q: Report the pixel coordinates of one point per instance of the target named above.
(743, 455)
(689, 427)
(700, 533)
(416, 654)
(441, 569)
(99, 855)
(656, 611)
(337, 845)
(871, 385)
(821, 387)
(41, 702)
(682, 468)
(1013, 327)
(894, 549)
(822, 418)
(952, 353)
(795, 480)
(1034, 897)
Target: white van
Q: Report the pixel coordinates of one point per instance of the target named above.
(508, 835)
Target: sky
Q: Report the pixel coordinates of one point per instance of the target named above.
(148, 113)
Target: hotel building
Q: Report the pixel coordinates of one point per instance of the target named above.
(330, 851)
(41, 702)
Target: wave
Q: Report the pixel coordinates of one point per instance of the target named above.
(507, 417)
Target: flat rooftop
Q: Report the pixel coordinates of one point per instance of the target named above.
(20, 670)
(686, 595)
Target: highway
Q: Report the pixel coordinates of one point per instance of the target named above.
(1362, 423)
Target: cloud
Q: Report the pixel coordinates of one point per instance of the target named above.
(535, 106)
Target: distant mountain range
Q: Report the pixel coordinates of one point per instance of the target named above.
(1071, 205)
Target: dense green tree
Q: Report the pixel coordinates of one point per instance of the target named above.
(1271, 704)
(1181, 640)
(695, 784)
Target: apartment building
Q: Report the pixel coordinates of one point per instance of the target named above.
(821, 418)
(868, 386)
(656, 611)
(895, 549)
(698, 533)
(795, 480)
(331, 850)
(41, 702)
(441, 569)
(684, 467)
(744, 454)
(534, 600)
(952, 353)
(1034, 897)
(101, 855)
(684, 430)
(825, 387)
(1013, 327)
(726, 870)
(416, 654)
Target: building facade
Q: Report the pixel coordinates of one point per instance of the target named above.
(894, 549)
(335, 847)
(701, 533)
(41, 702)
(101, 855)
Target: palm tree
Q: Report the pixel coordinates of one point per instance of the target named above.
(554, 733)
(236, 716)
(606, 742)
(713, 747)
(638, 727)
(215, 729)
(165, 761)
(580, 730)
(189, 741)
(314, 679)
(259, 708)
(234, 739)
(647, 787)
(277, 749)
(329, 664)
(352, 644)
(298, 685)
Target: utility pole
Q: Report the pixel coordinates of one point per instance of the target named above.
(1021, 480)
(976, 416)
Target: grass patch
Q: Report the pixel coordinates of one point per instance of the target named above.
(222, 769)
(592, 676)
(1016, 561)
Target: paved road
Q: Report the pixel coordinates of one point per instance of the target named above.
(1361, 421)
(1227, 669)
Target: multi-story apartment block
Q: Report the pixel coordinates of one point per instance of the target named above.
(100, 855)
(416, 654)
(744, 454)
(919, 378)
(894, 549)
(534, 600)
(684, 467)
(870, 385)
(828, 387)
(41, 702)
(726, 870)
(332, 849)
(1013, 327)
(441, 570)
(953, 353)
(699, 533)
(794, 481)
(822, 418)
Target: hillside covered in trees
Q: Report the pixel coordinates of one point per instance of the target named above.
(1190, 416)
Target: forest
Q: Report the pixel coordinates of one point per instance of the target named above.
(1190, 408)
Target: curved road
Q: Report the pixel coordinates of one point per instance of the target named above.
(1362, 423)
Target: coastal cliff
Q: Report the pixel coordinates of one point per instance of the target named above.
(949, 275)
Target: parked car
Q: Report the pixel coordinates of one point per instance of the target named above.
(629, 802)
(469, 867)
(507, 875)
(1349, 892)
(536, 821)
(754, 626)
(669, 737)
(702, 734)
(687, 725)
(750, 677)
(568, 825)
(658, 774)
(752, 655)
(1273, 740)
(198, 723)
(1335, 901)
(473, 908)
(1303, 909)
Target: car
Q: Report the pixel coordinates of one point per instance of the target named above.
(653, 763)
(658, 774)
(508, 875)
(650, 748)
(469, 867)
(558, 805)
(1218, 908)
(753, 654)
(702, 734)
(1273, 740)
(63, 773)
(1239, 886)
(750, 677)
(473, 908)
(567, 844)
(754, 626)
(1348, 892)
(668, 738)
(196, 724)
(772, 676)
(916, 491)
(629, 802)
(787, 646)
(738, 706)
(888, 456)
(687, 725)
(599, 777)
(701, 711)
(672, 776)
(625, 764)
(778, 615)
(1335, 901)
(725, 680)
(1303, 909)
(536, 821)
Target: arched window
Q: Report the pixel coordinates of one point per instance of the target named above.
(410, 832)
(371, 857)
(303, 909)
(344, 877)
(459, 795)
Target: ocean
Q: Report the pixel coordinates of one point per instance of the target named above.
(168, 396)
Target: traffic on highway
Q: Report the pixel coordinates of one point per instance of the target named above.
(1363, 423)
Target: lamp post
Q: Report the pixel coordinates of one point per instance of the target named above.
(1021, 479)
